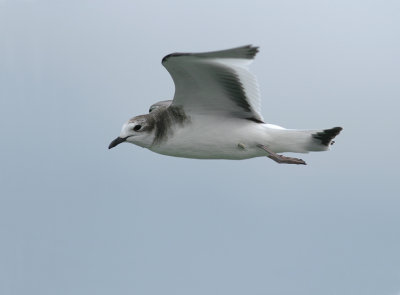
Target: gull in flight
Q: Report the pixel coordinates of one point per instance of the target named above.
(215, 114)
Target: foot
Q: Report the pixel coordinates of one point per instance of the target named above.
(281, 159)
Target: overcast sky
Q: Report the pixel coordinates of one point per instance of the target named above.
(77, 218)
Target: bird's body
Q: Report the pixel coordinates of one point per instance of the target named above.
(232, 138)
(215, 114)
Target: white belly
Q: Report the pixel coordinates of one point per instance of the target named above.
(215, 138)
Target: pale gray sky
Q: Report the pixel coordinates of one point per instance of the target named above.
(77, 218)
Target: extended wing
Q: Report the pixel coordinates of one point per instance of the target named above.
(216, 82)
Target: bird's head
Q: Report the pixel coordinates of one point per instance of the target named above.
(138, 130)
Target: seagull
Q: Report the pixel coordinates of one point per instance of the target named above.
(216, 114)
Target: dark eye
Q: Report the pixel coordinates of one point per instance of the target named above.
(137, 127)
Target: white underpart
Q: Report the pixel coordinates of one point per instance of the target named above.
(210, 137)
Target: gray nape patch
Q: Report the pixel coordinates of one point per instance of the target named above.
(164, 119)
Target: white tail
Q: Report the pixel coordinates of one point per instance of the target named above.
(301, 141)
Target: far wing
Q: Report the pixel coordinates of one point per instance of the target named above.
(163, 103)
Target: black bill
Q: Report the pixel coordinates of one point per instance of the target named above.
(116, 142)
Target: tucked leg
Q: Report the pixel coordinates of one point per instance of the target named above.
(279, 158)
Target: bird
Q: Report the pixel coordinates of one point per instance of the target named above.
(215, 113)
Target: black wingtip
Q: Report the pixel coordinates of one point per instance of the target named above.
(252, 51)
(326, 136)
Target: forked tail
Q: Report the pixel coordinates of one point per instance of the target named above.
(321, 140)
(283, 140)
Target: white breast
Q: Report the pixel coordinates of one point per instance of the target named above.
(210, 137)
